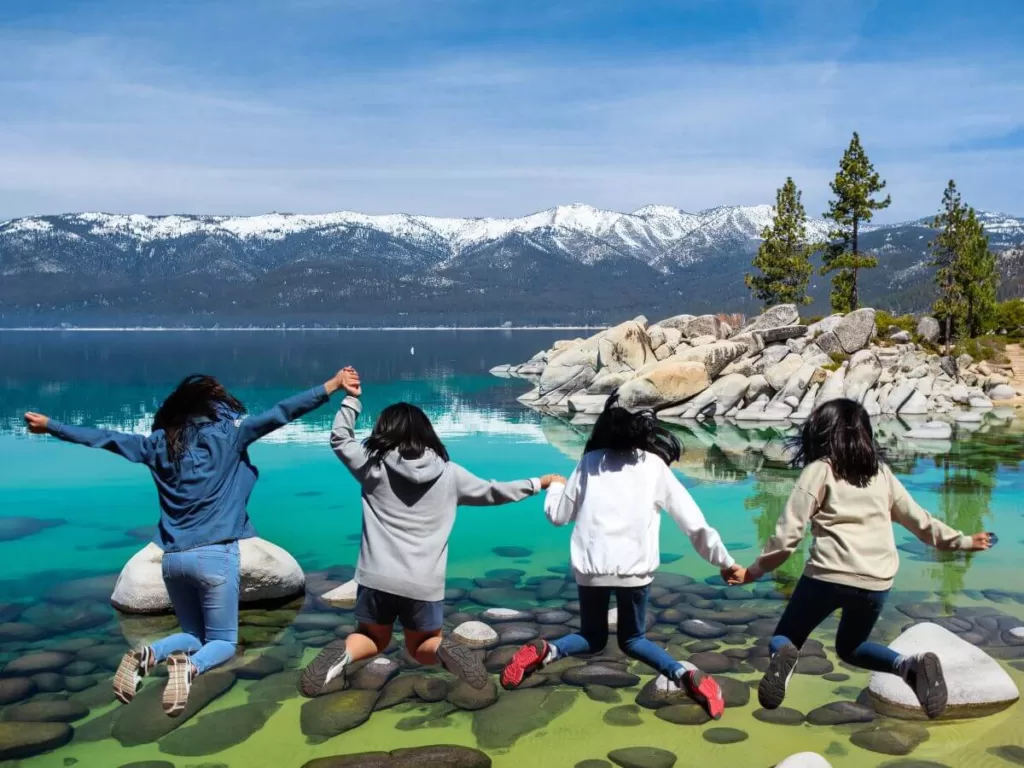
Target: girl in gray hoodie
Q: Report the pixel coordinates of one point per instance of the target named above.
(410, 492)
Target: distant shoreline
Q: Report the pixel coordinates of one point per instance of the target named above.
(292, 329)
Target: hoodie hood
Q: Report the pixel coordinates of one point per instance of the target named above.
(424, 469)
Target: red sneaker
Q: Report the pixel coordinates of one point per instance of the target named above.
(706, 691)
(527, 659)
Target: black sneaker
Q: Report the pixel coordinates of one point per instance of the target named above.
(328, 665)
(924, 676)
(464, 662)
(772, 690)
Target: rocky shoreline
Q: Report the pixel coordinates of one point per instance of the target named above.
(770, 369)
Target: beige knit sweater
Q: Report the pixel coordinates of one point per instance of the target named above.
(852, 528)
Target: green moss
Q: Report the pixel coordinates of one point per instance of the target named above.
(883, 321)
(991, 348)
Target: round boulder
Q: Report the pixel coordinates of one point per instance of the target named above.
(475, 634)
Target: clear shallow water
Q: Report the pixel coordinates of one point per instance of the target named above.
(93, 506)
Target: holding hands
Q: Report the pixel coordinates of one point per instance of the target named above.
(347, 380)
(547, 480)
(734, 575)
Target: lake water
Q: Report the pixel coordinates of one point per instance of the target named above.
(81, 514)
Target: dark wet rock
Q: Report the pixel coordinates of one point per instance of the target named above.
(517, 713)
(431, 688)
(218, 730)
(376, 674)
(549, 589)
(436, 717)
(515, 634)
(625, 716)
(10, 611)
(508, 574)
(502, 597)
(498, 658)
(512, 551)
(668, 599)
(925, 611)
(704, 630)
(735, 637)
(553, 617)
(712, 663)
(600, 674)
(57, 711)
(276, 687)
(672, 581)
(725, 735)
(49, 682)
(891, 740)
(780, 716)
(77, 683)
(466, 697)
(912, 763)
(553, 631)
(737, 593)
(603, 694)
(306, 622)
(703, 646)
(1002, 595)
(1011, 753)
(668, 558)
(146, 763)
(260, 667)
(954, 624)
(672, 616)
(739, 654)
(705, 591)
(91, 588)
(734, 617)
(489, 583)
(80, 668)
(814, 665)
(99, 695)
(642, 757)
(34, 663)
(439, 756)
(15, 689)
(13, 528)
(18, 740)
(454, 594)
(662, 692)
(136, 724)
(836, 677)
(593, 764)
(841, 713)
(399, 690)
(690, 713)
(735, 693)
(103, 652)
(336, 713)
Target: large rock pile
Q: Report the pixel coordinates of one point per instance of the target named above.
(771, 369)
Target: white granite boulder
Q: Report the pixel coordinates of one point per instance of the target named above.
(669, 381)
(779, 316)
(715, 356)
(475, 634)
(977, 684)
(343, 596)
(267, 573)
(856, 329)
(928, 329)
(1002, 392)
(862, 375)
(933, 430)
(626, 347)
(805, 760)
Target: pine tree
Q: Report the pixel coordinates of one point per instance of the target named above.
(784, 256)
(945, 249)
(854, 187)
(977, 275)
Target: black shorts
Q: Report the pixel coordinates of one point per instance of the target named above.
(376, 607)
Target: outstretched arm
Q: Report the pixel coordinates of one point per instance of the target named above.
(560, 503)
(678, 503)
(343, 437)
(252, 428)
(928, 529)
(474, 492)
(136, 448)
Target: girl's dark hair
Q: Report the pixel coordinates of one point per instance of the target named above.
(618, 429)
(404, 428)
(197, 396)
(840, 432)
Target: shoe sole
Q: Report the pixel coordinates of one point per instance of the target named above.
(125, 682)
(772, 690)
(314, 677)
(463, 662)
(179, 685)
(707, 692)
(526, 660)
(930, 685)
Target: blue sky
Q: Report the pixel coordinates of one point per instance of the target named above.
(495, 108)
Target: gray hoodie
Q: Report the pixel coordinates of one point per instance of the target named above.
(409, 509)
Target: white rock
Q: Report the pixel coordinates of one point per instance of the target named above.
(267, 572)
(900, 337)
(824, 325)
(805, 760)
(958, 394)
(774, 317)
(1002, 392)
(613, 619)
(933, 430)
(832, 389)
(871, 403)
(500, 370)
(715, 356)
(780, 373)
(916, 404)
(856, 329)
(700, 341)
(980, 401)
(976, 683)
(861, 375)
(498, 615)
(899, 395)
(967, 417)
(928, 329)
(343, 596)
(529, 369)
(775, 354)
(475, 634)
(626, 347)
(807, 404)
(580, 403)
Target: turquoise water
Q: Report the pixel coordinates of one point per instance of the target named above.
(89, 507)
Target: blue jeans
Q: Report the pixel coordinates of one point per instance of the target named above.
(813, 601)
(632, 622)
(203, 585)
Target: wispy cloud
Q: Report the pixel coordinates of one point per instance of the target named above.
(93, 121)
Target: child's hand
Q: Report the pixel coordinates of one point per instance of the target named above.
(980, 541)
(734, 574)
(748, 576)
(547, 480)
(37, 423)
(348, 381)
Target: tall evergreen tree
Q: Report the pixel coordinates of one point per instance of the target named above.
(854, 188)
(784, 256)
(977, 275)
(945, 249)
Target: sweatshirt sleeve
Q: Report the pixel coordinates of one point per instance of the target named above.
(916, 519)
(680, 506)
(252, 428)
(789, 531)
(474, 492)
(135, 448)
(343, 436)
(560, 501)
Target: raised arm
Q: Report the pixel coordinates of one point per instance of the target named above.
(252, 428)
(803, 502)
(136, 448)
(474, 492)
(343, 436)
(680, 506)
(560, 503)
(916, 519)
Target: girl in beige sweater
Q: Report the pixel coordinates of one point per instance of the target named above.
(851, 499)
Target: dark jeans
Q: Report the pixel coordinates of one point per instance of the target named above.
(632, 622)
(813, 601)
(376, 607)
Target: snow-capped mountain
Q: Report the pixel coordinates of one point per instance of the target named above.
(572, 261)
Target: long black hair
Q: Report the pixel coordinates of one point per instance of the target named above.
(840, 432)
(618, 429)
(404, 428)
(197, 396)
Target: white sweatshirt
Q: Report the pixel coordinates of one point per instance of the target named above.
(615, 499)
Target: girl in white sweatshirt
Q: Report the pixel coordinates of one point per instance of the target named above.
(615, 496)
